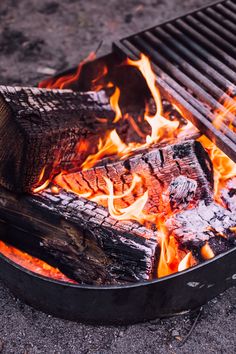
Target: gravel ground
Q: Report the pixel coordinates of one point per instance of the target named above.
(58, 34)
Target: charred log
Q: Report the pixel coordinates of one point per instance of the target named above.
(182, 192)
(211, 224)
(158, 169)
(228, 195)
(79, 236)
(43, 130)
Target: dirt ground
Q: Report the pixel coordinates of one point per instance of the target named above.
(46, 36)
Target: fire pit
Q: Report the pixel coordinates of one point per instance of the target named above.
(121, 188)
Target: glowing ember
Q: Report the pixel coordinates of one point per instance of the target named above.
(31, 263)
(41, 187)
(134, 211)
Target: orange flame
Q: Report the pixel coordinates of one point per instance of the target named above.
(161, 127)
(207, 252)
(172, 259)
(112, 145)
(187, 262)
(224, 167)
(132, 212)
(229, 105)
(65, 81)
(31, 263)
(114, 101)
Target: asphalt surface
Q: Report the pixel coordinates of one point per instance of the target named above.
(35, 35)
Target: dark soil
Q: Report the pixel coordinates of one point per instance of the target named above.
(42, 36)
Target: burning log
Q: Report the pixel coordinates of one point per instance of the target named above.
(228, 195)
(207, 230)
(79, 237)
(43, 130)
(182, 191)
(158, 168)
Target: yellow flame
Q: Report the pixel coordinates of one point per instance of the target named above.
(224, 167)
(207, 252)
(42, 187)
(160, 126)
(186, 262)
(229, 107)
(114, 101)
(112, 145)
(132, 212)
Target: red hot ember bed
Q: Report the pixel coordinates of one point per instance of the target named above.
(118, 178)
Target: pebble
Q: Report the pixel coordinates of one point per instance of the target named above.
(121, 334)
(45, 71)
(175, 333)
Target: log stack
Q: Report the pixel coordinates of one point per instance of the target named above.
(47, 132)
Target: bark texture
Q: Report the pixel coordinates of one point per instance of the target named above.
(158, 169)
(45, 130)
(80, 237)
(206, 223)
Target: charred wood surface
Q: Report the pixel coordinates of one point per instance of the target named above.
(44, 128)
(206, 223)
(82, 239)
(228, 195)
(158, 169)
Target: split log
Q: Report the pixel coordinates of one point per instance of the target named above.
(43, 130)
(158, 168)
(81, 238)
(211, 224)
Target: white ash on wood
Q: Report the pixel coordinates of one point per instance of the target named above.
(158, 169)
(80, 236)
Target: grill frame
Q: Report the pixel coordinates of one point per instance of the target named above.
(175, 81)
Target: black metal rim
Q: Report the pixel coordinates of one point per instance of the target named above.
(115, 287)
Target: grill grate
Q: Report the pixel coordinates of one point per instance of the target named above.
(194, 57)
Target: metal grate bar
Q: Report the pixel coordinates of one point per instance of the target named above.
(227, 12)
(216, 38)
(210, 47)
(216, 16)
(201, 52)
(231, 5)
(198, 68)
(217, 27)
(180, 76)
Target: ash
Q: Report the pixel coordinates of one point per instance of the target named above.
(38, 38)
